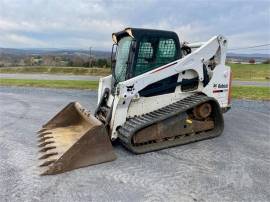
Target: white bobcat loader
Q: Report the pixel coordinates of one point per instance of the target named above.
(161, 94)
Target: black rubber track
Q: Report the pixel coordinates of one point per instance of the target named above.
(135, 124)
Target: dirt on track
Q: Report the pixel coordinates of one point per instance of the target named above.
(232, 167)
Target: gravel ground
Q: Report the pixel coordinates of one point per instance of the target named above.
(232, 167)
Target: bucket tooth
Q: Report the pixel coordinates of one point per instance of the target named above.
(47, 163)
(45, 149)
(44, 133)
(43, 139)
(48, 155)
(43, 144)
(73, 139)
(42, 130)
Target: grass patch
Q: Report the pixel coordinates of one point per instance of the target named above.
(239, 92)
(72, 84)
(251, 72)
(244, 72)
(58, 70)
(251, 92)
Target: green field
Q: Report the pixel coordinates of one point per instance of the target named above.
(251, 72)
(251, 92)
(240, 92)
(244, 72)
(58, 70)
(72, 84)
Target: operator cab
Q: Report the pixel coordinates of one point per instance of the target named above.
(142, 50)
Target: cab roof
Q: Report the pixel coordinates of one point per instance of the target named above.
(137, 33)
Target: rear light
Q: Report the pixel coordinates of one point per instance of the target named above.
(229, 89)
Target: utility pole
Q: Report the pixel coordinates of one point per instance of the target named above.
(90, 56)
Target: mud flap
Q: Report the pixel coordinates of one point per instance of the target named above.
(73, 139)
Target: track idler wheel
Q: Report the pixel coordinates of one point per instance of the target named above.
(202, 111)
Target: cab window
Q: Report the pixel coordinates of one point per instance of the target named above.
(153, 53)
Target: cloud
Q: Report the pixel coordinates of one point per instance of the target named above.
(12, 40)
(84, 23)
(248, 39)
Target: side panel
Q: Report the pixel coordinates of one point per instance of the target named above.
(161, 87)
(104, 83)
(143, 105)
(219, 85)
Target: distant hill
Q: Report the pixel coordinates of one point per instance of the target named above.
(80, 57)
(252, 55)
(52, 51)
(97, 53)
(53, 57)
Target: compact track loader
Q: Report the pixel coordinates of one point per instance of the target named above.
(161, 94)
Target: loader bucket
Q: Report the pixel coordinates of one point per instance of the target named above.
(73, 139)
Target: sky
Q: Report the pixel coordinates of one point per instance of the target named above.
(83, 23)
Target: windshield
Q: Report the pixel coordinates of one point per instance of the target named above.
(122, 59)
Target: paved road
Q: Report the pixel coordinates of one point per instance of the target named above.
(96, 78)
(232, 167)
(251, 83)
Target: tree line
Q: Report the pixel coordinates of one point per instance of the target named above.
(55, 60)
